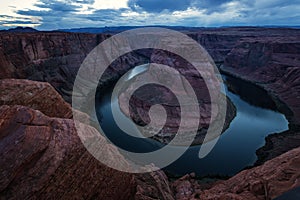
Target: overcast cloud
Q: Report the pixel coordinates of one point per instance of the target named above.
(58, 14)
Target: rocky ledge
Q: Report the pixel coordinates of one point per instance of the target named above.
(267, 181)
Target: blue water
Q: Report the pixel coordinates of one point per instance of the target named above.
(234, 150)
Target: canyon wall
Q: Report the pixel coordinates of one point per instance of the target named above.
(51, 57)
(273, 63)
(55, 57)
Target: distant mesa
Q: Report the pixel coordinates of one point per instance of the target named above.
(20, 29)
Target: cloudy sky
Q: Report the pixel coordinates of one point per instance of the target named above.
(57, 14)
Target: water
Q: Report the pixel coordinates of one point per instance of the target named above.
(234, 150)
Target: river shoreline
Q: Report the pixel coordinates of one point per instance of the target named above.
(275, 143)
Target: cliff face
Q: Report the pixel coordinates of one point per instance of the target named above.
(218, 45)
(273, 63)
(267, 181)
(42, 155)
(51, 57)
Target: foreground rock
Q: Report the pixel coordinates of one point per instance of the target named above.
(268, 181)
(43, 158)
(46, 152)
(152, 186)
(264, 182)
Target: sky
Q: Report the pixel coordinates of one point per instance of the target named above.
(64, 14)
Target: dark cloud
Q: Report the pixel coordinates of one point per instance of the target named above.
(57, 5)
(25, 22)
(53, 8)
(211, 6)
(54, 14)
(105, 15)
(85, 1)
(32, 13)
(7, 19)
(6, 16)
(159, 5)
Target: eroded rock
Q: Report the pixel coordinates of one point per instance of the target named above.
(36, 95)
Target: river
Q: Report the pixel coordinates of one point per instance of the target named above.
(235, 148)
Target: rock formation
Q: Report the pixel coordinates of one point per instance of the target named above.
(43, 158)
(142, 99)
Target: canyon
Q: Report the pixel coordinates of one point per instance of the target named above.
(44, 156)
